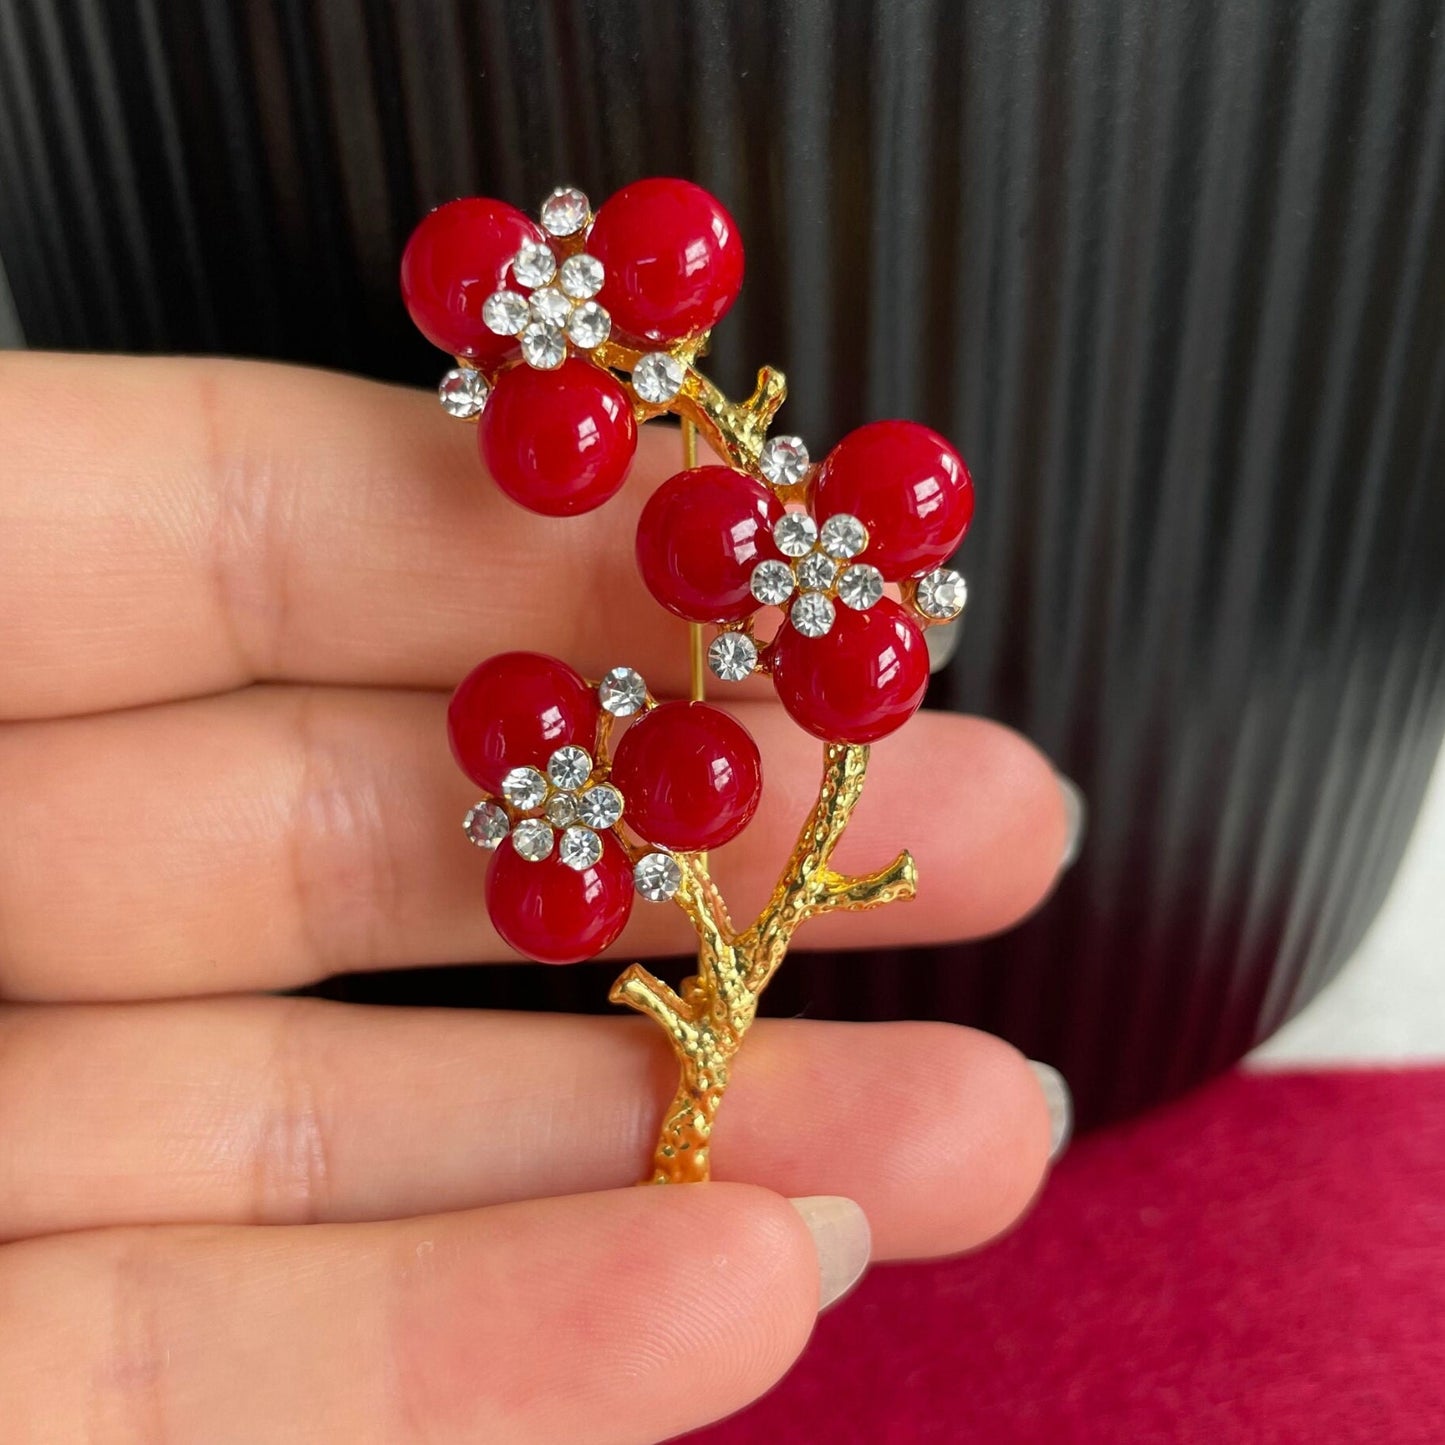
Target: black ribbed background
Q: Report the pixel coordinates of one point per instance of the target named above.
(1172, 275)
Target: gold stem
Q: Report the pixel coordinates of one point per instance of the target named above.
(697, 673)
(707, 1019)
(696, 670)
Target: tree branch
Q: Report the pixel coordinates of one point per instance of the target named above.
(899, 880)
(646, 993)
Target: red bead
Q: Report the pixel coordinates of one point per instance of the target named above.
(906, 485)
(690, 776)
(514, 711)
(455, 259)
(557, 914)
(673, 257)
(699, 537)
(558, 442)
(857, 683)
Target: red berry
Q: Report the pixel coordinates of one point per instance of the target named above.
(673, 257)
(906, 485)
(690, 775)
(857, 683)
(558, 442)
(558, 914)
(514, 711)
(699, 537)
(455, 259)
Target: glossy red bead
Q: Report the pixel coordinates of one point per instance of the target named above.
(673, 257)
(556, 914)
(514, 711)
(860, 681)
(690, 776)
(906, 485)
(454, 260)
(558, 442)
(698, 539)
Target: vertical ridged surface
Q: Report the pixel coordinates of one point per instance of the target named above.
(1172, 274)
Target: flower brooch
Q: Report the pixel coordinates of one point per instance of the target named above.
(567, 334)
(526, 728)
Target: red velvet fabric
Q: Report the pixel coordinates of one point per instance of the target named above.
(1263, 1262)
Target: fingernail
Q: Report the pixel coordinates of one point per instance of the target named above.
(1061, 1106)
(843, 1241)
(1076, 812)
(942, 643)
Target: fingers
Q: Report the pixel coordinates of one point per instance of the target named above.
(289, 1111)
(200, 524)
(267, 838)
(622, 1317)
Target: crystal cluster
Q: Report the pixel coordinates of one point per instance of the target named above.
(820, 571)
(565, 808)
(549, 305)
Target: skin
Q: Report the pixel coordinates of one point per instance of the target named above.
(232, 600)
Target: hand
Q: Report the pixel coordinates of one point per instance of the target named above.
(232, 600)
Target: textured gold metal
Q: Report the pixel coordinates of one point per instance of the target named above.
(707, 1019)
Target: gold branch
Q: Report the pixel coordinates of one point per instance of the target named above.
(735, 430)
(648, 994)
(897, 882)
(699, 898)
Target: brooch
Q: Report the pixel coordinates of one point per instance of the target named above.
(568, 334)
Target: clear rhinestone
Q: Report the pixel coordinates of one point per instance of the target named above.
(485, 825)
(532, 838)
(622, 692)
(844, 536)
(544, 345)
(569, 767)
(600, 807)
(506, 312)
(564, 212)
(941, 593)
(657, 876)
(784, 461)
(524, 788)
(812, 614)
(561, 810)
(581, 848)
(816, 571)
(795, 534)
(550, 305)
(860, 586)
(581, 276)
(771, 583)
(732, 656)
(657, 377)
(589, 325)
(463, 391)
(534, 264)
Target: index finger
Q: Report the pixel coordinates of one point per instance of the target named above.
(197, 525)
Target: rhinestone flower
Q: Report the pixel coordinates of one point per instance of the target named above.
(558, 813)
(887, 498)
(547, 306)
(811, 581)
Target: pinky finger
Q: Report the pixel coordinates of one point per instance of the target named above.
(620, 1317)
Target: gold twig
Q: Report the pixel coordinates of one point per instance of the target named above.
(639, 989)
(708, 1022)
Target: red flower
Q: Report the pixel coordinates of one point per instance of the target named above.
(890, 503)
(527, 312)
(575, 824)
